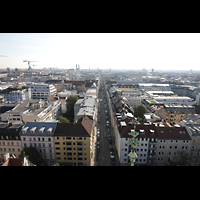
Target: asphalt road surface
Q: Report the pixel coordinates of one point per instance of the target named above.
(103, 157)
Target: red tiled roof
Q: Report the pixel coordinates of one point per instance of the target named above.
(87, 123)
(52, 97)
(152, 131)
(179, 133)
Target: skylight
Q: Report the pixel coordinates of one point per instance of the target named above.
(161, 131)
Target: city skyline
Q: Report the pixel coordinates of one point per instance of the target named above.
(159, 51)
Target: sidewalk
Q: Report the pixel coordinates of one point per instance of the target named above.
(93, 151)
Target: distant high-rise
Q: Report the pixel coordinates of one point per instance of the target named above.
(77, 67)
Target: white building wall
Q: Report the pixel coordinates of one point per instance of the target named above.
(167, 149)
(42, 91)
(142, 151)
(42, 144)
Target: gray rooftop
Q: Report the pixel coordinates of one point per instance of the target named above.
(38, 129)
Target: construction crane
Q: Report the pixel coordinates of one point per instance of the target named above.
(29, 66)
(29, 63)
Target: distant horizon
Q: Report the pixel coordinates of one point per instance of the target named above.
(158, 51)
(111, 69)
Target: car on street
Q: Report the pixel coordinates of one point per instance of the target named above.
(112, 162)
(111, 155)
(98, 148)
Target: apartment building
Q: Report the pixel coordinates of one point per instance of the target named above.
(32, 110)
(194, 132)
(186, 90)
(154, 87)
(173, 113)
(42, 91)
(10, 141)
(11, 94)
(171, 141)
(40, 136)
(72, 143)
(86, 106)
(147, 138)
(174, 100)
(159, 143)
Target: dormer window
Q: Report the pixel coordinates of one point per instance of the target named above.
(32, 131)
(49, 130)
(141, 131)
(41, 130)
(152, 131)
(24, 130)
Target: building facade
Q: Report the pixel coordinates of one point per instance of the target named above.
(171, 141)
(40, 136)
(159, 144)
(33, 110)
(72, 143)
(10, 141)
(173, 113)
(11, 94)
(42, 91)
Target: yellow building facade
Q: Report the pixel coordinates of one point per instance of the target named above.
(72, 150)
(72, 142)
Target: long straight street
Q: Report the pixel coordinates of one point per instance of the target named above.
(106, 154)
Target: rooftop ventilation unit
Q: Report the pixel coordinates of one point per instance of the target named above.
(123, 124)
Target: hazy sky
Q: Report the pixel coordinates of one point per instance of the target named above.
(103, 50)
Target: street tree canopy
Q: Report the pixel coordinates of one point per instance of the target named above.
(71, 100)
(34, 155)
(139, 111)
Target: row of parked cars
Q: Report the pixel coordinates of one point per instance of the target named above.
(111, 149)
